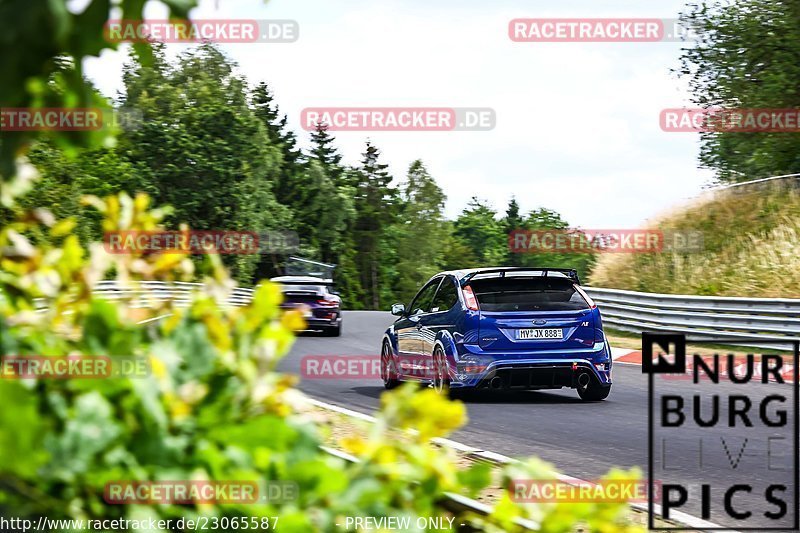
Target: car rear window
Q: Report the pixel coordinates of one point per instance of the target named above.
(531, 294)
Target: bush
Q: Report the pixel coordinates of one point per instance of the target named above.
(750, 245)
(212, 408)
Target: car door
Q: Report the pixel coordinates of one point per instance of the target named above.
(408, 328)
(438, 316)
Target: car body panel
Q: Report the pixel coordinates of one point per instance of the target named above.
(480, 345)
(321, 308)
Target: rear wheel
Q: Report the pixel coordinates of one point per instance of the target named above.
(441, 377)
(593, 391)
(388, 368)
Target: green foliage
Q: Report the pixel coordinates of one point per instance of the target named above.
(749, 248)
(212, 408)
(202, 148)
(375, 205)
(419, 232)
(42, 46)
(222, 156)
(547, 219)
(482, 233)
(747, 56)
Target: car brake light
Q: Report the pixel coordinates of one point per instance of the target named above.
(327, 303)
(469, 298)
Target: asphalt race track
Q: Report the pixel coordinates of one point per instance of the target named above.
(581, 439)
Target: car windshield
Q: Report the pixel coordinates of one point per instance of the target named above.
(527, 294)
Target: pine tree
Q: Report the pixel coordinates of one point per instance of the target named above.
(287, 184)
(512, 222)
(326, 153)
(376, 205)
(420, 232)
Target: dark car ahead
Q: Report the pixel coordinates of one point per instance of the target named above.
(500, 328)
(322, 307)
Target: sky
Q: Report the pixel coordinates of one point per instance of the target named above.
(577, 124)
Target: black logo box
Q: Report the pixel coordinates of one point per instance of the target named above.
(678, 366)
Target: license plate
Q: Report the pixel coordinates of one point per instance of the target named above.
(540, 333)
(306, 310)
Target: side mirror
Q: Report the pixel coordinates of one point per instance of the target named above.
(398, 309)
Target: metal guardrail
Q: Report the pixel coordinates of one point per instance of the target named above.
(145, 294)
(738, 320)
(743, 321)
(754, 182)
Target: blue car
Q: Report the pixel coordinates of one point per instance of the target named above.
(500, 328)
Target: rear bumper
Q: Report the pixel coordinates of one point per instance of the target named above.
(314, 322)
(321, 318)
(551, 370)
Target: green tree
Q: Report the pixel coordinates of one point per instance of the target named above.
(546, 219)
(288, 182)
(375, 204)
(42, 47)
(324, 151)
(747, 55)
(420, 231)
(333, 212)
(455, 254)
(202, 147)
(478, 228)
(511, 222)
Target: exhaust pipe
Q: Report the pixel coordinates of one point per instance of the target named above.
(583, 379)
(496, 383)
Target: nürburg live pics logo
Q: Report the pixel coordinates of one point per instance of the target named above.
(722, 435)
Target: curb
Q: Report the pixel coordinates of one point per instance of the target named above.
(499, 459)
(626, 356)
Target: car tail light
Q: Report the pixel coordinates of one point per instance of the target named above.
(472, 365)
(327, 303)
(469, 298)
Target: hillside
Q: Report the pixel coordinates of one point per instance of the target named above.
(751, 247)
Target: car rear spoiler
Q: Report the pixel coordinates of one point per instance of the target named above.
(571, 273)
